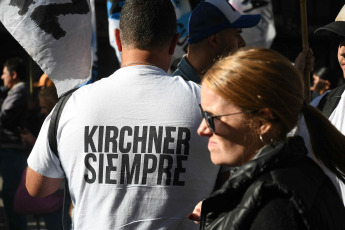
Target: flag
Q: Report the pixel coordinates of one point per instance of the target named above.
(182, 10)
(114, 11)
(264, 33)
(56, 34)
(94, 47)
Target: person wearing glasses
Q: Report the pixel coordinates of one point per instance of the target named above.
(250, 101)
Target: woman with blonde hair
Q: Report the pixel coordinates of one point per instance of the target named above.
(250, 101)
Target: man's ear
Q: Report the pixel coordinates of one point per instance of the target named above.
(14, 75)
(118, 40)
(212, 40)
(173, 44)
(265, 125)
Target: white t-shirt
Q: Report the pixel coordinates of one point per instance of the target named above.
(129, 146)
(337, 119)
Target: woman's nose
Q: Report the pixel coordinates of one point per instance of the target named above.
(203, 129)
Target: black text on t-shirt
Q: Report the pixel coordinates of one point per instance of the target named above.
(142, 155)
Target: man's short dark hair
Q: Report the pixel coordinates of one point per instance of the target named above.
(16, 64)
(147, 23)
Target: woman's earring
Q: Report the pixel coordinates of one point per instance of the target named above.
(262, 140)
(272, 143)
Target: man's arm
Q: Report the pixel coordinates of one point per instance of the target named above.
(40, 186)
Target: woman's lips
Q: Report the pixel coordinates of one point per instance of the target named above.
(211, 144)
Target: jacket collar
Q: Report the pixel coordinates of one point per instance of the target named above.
(186, 71)
(268, 158)
(15, 86)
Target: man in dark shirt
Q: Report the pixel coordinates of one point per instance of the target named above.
(12, 151)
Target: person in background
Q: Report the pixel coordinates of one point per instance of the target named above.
(214, 31)
(322, 79)
(275, 184)
(44, 82)
(331, 103)
(215, 28)
(13, 153)
(47, 97)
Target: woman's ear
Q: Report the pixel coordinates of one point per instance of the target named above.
(265, 125)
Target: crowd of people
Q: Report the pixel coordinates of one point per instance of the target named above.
(21, 116)
(226, 142)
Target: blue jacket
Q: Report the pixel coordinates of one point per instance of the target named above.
(186, 71)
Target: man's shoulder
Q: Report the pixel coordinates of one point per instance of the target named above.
(178, 67)
(21, 87)
(176, 82)
(336, 92)
(151, 79)
(177, 72)
(21, 92)
(186, 71)
(328, 101)
(187, 86)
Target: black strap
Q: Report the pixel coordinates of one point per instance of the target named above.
(54, 121)
(52, 133)
(66, 221)
(329, 102)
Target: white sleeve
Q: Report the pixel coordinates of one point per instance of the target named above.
(42, 160)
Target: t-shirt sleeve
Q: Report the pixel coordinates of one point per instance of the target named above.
(278, 214)
(42, 160)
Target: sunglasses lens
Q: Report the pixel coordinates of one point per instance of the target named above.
(209, 121)
(201, 111)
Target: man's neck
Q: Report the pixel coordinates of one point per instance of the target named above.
(15, 85)
(132, 57)
(199, 63)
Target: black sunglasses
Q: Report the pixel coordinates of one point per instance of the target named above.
(209, 118)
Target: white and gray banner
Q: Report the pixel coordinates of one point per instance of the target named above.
(56, 34)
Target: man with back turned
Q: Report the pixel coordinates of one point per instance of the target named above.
(128, 143)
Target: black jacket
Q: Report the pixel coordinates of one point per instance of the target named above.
(13, 115)
(282, 188)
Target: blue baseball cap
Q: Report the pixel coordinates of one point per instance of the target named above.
(211, 16)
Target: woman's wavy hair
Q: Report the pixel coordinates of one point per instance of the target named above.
(257, 78)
